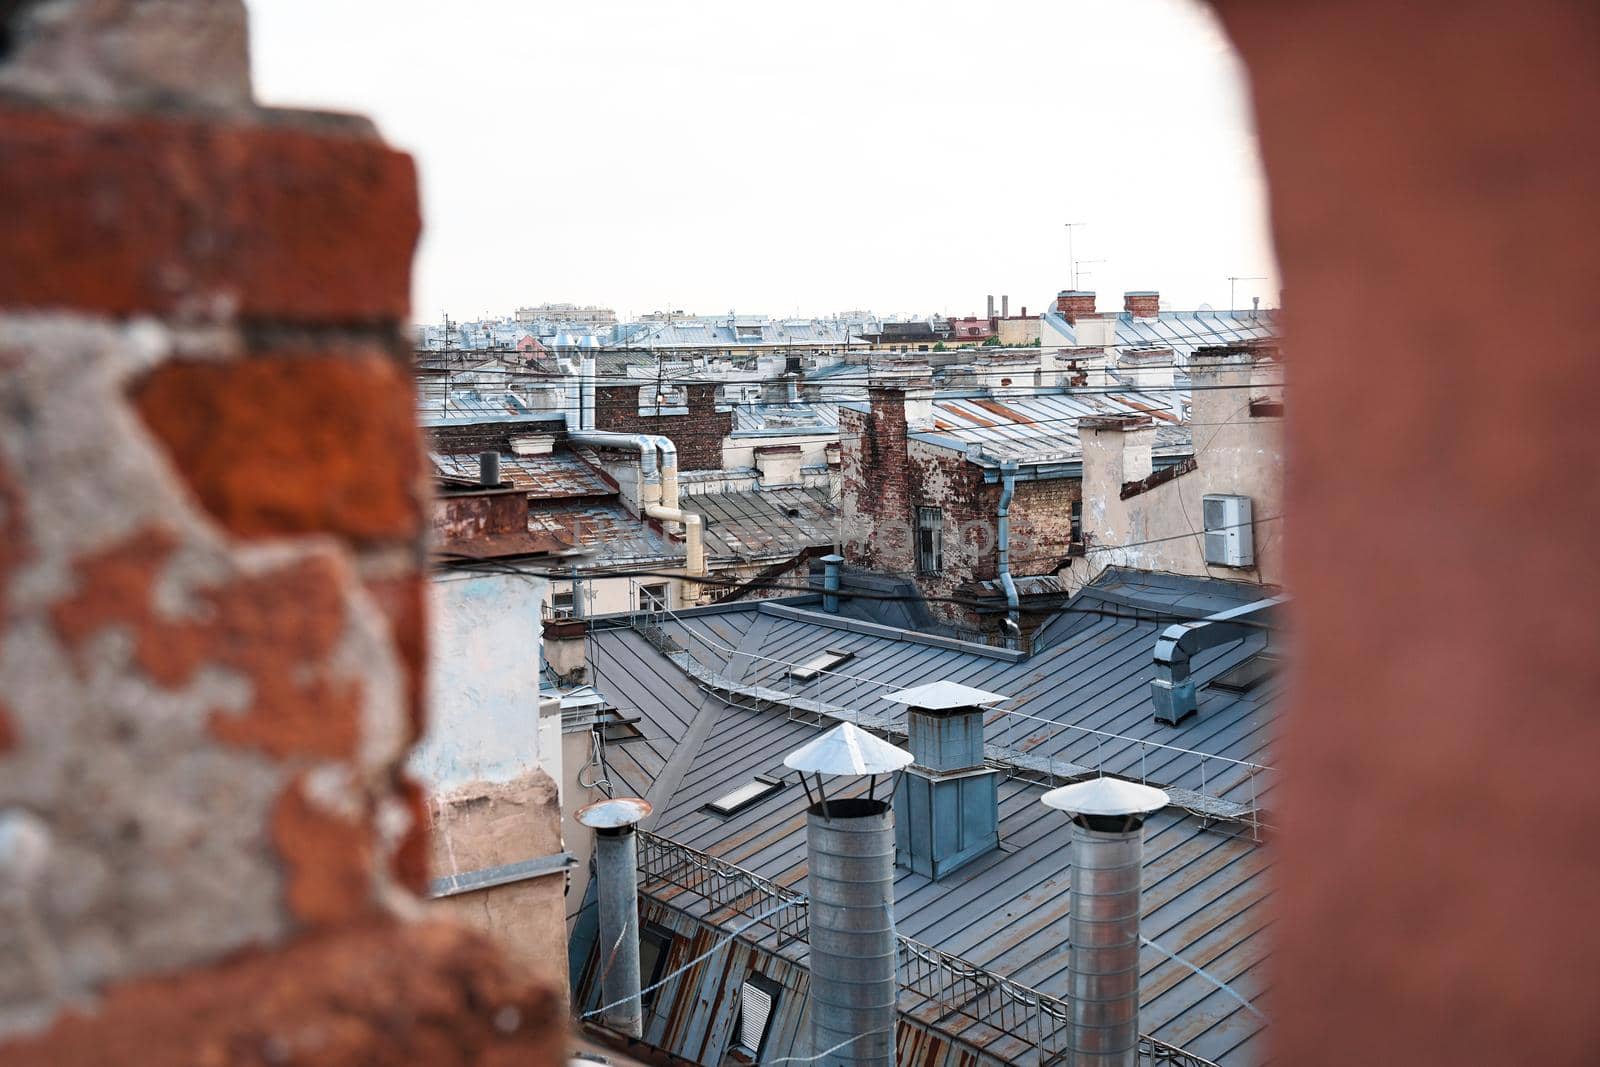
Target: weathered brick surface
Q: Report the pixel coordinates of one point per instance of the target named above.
(698, 435)
(378, 993)
(204, 218)
(886, 477)
(328, 853)
(299, 443)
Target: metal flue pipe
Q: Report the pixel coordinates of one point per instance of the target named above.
(617, 885)
(1103, 960)
(850, 880)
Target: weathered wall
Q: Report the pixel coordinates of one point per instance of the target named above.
(1153, 525)
(698, 433)
(1434, 165)
(211, 538)
(886, 476)
(483, 682)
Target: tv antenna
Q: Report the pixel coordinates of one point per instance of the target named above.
(1234, 280)
(1072, 262)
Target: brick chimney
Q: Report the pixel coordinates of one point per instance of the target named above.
(1074, 303)
(1142, 303)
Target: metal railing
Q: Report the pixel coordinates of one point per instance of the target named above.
(1218, 775)
(950, 984)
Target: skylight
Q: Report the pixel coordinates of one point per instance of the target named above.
(823, 661)
(753, 792)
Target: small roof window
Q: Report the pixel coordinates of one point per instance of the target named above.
(753, 792)
(1247, 675)
(823, 661)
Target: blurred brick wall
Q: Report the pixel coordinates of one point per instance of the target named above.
(1434, 169)
(212, 537)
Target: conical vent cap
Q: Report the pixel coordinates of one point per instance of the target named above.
(1105, 796)
(940, 696)
(847, 749)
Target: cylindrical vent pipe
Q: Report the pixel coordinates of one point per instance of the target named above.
(617, 885)
(850, 879)
(830, 583)
(489, 469)
(1103, 959)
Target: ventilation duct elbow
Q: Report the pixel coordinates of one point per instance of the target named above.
(1172, 690)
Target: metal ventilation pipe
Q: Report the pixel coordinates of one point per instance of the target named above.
(617, 885)
(830, 583)
(1103, 961)
(489, 469)
(850, 880)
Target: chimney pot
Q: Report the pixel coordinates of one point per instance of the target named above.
(489, 469)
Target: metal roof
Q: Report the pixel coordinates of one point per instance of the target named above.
(1184, 331)
(1084, 698)
(1044, 427)
(765, 524)
(551, 476)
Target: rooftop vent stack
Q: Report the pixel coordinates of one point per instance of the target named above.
(991, 307)
(489, 469)
(948, 802)
(617, 881)
(830, 582)
(850, 880)
(1103, 959)
(1005, 306)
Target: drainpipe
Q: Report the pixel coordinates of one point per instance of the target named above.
(1008, 488)
(1103, 933)
(617, 886)
(830, 583)
(586, 395)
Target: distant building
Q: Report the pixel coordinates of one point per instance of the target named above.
(585, 315)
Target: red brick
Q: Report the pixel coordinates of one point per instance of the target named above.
(160, 215)
(381, 994)
(403, 603)
(328, 860)
(697, 435)
(293, 445)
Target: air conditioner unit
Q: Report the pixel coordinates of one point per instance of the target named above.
(1228, 536)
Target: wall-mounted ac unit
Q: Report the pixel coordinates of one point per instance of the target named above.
(1228, 536)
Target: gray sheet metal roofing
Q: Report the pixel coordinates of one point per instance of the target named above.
(1184, 331)
(1044, 427)
(767, 524)
(1007, 911)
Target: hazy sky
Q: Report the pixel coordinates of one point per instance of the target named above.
(903, 157)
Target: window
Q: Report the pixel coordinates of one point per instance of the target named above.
(930, 540)
(655, 597)
(1077, 522)
(655, 947)
(1247, 675)
(824, 661)
(757, 999)
(733, 802)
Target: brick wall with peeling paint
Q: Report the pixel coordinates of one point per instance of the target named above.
(211, 545)
(886, 475)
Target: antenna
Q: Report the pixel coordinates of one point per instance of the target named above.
(1079, 275)
(1072, 263)
(1233, 280)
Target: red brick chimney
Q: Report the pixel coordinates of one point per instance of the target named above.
(1142, 303)
(1074, 303)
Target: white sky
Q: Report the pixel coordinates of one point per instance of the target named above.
(816, 157)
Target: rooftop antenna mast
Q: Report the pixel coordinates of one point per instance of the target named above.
(1072, 262)
(1233, 281)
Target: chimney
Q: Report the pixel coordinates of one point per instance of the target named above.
(850, 845)
(1103, 933)
(1219, 383)
(1024, 310)
(991, 306)
(830, 582)
(1005, 306)
(1142, 303)
(1073, 304)
(489, 469)
(1116, 451)
(947, 803)
(617, 886)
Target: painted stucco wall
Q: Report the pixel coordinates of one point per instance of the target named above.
(483, 682)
